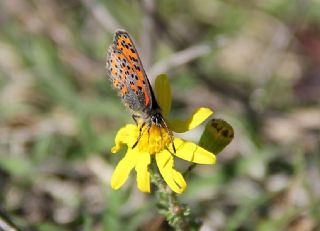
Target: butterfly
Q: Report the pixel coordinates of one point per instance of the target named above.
(127, 76)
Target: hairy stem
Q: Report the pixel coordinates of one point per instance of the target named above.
(177, 214)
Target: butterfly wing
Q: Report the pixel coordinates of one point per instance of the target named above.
(126, 72)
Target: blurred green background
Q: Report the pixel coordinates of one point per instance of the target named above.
(255, 62)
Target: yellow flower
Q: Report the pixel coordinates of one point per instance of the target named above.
(157, 142)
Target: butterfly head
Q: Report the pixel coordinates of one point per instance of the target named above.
(157, 119)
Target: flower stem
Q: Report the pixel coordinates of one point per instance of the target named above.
(178, 215)
(189, 170)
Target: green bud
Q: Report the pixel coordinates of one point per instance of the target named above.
(216, 136)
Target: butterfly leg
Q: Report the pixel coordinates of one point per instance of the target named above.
(140, 134)
(170, 134)
(135, 117)
(173, 146)
(148, 135)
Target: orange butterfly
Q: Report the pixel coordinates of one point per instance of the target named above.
(127, 75)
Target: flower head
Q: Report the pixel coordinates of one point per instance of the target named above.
(156, 142)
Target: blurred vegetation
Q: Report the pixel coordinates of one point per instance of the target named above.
(256, 63)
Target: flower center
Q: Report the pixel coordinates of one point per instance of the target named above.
(153, 139)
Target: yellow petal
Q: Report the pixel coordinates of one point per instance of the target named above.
(143, 175)
(127, 135)
(172, 177)
(191, 152)
(199, 115)
(123, 169)
(163, 93)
